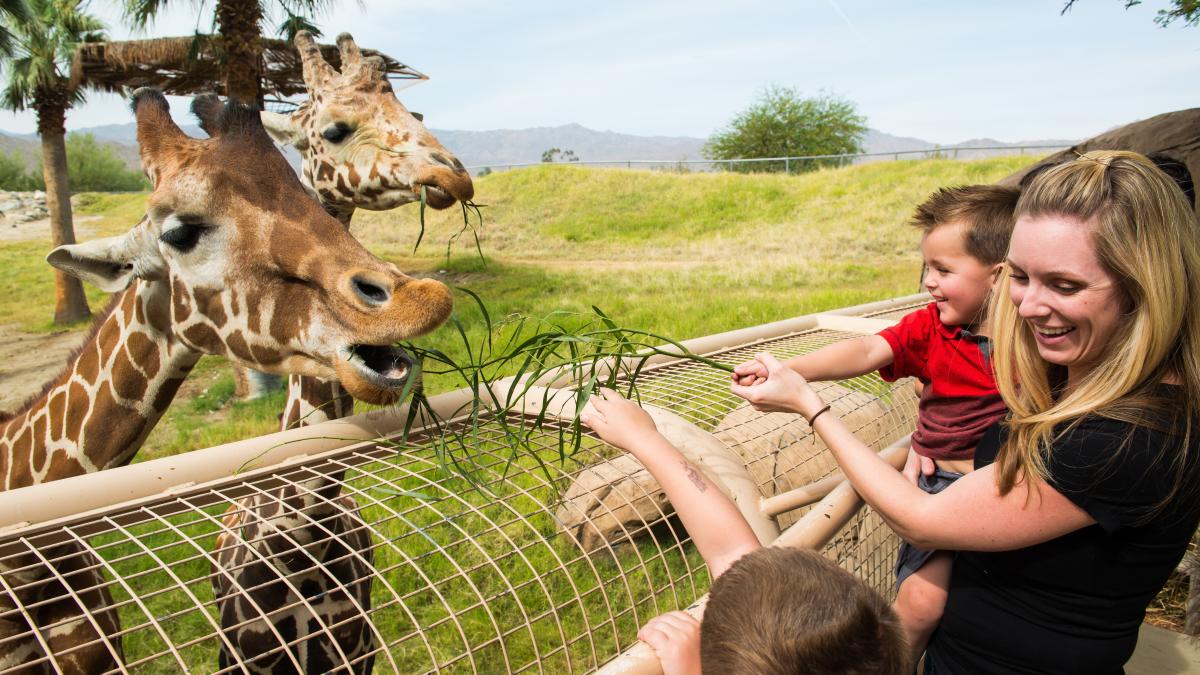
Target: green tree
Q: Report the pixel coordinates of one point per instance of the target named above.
(782, 123)
(95, 167)
(1187, 11)
(12, 173)
(44, 38)
(239, 23)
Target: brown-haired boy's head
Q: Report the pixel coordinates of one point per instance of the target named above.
(986, 212)
(786, 610)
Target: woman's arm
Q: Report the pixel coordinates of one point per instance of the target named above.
(720, 532)
(971, 514)
(838, 361)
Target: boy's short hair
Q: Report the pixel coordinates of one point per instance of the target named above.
(787, 610)
(986, 210)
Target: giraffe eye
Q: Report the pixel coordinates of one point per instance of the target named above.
(184, 237)
(336, 133)
(419, 116)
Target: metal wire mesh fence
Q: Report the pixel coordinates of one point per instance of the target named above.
(789, 165)
(412, 558)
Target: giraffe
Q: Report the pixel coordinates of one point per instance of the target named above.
(232, 258)
(359, 148)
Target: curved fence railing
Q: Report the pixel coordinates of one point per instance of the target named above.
(423, 559)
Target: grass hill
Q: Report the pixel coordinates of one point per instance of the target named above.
(681, 255)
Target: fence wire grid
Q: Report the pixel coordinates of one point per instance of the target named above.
(375, 557)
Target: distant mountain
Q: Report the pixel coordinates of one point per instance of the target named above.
(27, 149)
(519, 146)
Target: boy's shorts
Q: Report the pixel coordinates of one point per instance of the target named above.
(911, 558)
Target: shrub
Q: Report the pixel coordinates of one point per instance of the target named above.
(782, 123)
(93, 167)
(12, 173)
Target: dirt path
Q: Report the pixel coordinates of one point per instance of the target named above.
(40, 229)
(28, 360)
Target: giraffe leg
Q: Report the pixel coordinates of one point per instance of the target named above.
(241, 382)
(311, 536)
(250, 384)
(76, 643)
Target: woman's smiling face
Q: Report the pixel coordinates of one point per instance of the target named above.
(1070, 301)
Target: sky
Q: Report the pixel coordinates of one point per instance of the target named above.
(943, 71)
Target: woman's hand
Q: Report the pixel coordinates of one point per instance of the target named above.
(675, 639)
(617, 420)
(783, 390)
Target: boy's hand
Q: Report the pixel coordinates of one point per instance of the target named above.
(617, 420)
(675, 638)
(749, 374)
(783, 390)
(916, 465)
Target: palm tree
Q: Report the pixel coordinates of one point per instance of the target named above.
(43, 38)
(239, 23)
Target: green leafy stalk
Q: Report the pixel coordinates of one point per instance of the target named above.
(590, 349)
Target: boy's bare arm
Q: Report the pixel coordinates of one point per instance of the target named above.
(720, 532)
(838, 361)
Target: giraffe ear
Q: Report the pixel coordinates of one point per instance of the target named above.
(283, 129)
(110, 264)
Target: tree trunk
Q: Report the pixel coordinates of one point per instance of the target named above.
(240, 26)
(70, 304)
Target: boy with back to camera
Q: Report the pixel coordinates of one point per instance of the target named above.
(944, 345)
(771, 611)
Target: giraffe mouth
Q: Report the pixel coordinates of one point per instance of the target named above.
(385, 366)
(435, 196)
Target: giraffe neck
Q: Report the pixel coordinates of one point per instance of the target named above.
(342, 211)
(312, 401)
(98, 413)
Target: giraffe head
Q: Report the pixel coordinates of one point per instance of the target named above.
(361, 147)
(251, 267)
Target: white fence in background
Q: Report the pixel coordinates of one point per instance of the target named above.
(792, 164)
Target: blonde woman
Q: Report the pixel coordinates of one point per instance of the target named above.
(1085, 498)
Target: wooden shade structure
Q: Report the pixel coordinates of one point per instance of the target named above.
(186, 66)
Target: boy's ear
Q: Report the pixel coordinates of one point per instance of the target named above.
(997, 269)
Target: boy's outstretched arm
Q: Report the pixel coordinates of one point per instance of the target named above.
(838, 361)
(720, 532)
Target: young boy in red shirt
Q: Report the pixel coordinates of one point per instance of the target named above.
(945, 346)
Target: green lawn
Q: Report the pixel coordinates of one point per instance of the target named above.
(678, 254)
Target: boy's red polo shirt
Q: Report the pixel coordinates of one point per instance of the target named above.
(960, 400)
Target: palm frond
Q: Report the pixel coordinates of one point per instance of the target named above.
(294, 23)
(141, 13)
(44, 38)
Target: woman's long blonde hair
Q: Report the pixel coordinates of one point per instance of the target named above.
(1146, 237)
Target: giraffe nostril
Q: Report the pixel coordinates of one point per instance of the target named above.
(373, 294)
(441, 159)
